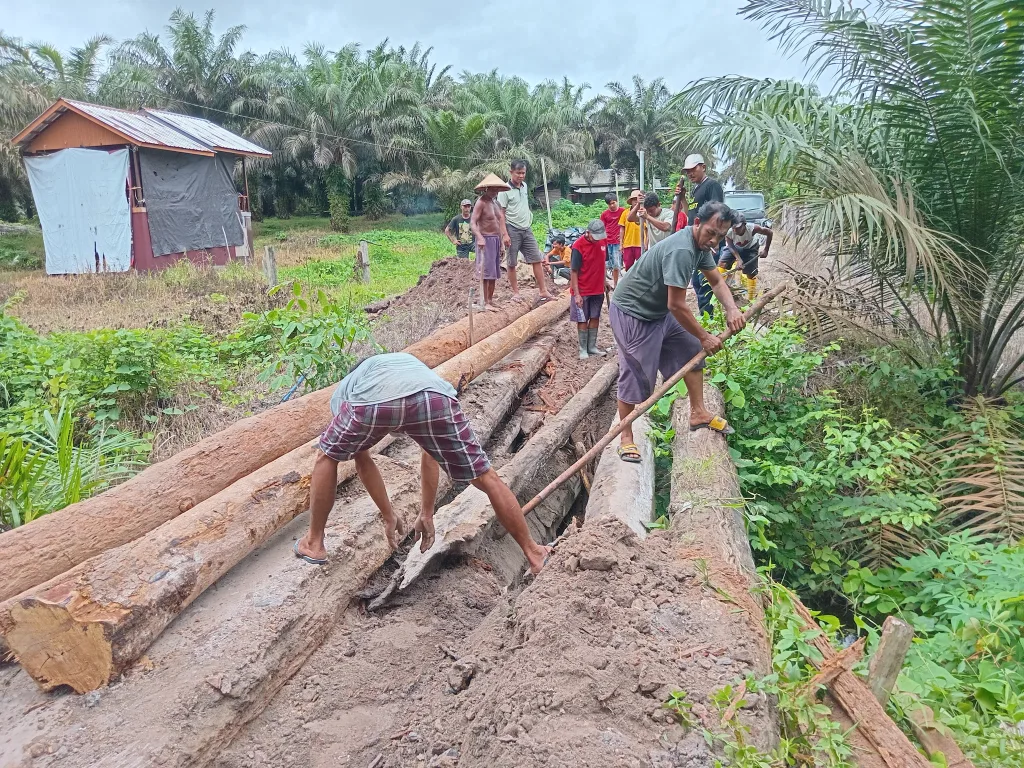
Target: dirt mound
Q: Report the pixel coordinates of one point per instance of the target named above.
(572, 672)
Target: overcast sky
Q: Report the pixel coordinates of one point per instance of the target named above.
(590, 41)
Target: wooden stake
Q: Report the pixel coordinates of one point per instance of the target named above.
(270, 265)
(878, 730)
(364, 260)
(887, 661)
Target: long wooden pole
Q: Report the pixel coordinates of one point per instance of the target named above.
(547, 199)
(646, 405)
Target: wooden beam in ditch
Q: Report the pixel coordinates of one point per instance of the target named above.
(52, 544)
(459, 526)
(85, 627)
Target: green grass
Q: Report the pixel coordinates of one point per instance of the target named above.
(21, 251)
(397, 261)
(271, 230)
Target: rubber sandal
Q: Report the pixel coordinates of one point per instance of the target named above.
(629, 453)
(307, 558)
(717, 424)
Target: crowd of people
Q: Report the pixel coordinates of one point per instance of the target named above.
(641, 257)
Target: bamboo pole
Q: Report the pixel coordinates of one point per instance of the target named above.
(647, 404)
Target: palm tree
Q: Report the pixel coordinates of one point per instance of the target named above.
(198, 74)
(913, 176)
(637, 118)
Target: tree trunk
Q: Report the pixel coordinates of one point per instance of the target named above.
(621, 489)
(87, 625)
(465, 519)
(52, 544)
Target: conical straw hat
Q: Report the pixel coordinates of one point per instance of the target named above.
(490, 180)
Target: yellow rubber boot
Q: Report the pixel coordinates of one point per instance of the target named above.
(750, 283)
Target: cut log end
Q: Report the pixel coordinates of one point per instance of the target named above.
(57, 649)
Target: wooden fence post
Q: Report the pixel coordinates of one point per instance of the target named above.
(270, 265)
(887, 660)
(363, 260)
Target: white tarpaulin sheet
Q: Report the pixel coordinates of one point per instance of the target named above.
(83, 209)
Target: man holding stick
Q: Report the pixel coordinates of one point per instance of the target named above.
(397, 393)
(654, 328)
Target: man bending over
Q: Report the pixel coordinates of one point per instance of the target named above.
(397, 393)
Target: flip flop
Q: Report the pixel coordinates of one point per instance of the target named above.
(629, 453)
(717, 424)
(307, 558)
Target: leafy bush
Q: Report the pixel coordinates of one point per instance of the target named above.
(566, 213)
(21, 251)
(963, 598)
(309, 340)
(50, 469)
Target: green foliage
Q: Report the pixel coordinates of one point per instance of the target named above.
(311, 337)
(809, 734)
(102, 375)
(59, 465)
(566, 213)
(680, 708)
(963, 598)
(21, 251)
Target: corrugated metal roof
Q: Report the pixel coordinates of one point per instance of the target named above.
(209, 133)
(141, 127)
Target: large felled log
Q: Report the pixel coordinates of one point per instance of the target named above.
(84, 627)
(463, 521)
(624, 490)
(706, 498)
(52, 544)
(874, 728)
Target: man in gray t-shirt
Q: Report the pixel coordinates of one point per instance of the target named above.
(398, 393)
(654, 328)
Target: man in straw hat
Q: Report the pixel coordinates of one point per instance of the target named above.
(488, 225)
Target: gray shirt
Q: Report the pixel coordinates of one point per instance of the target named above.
(381, 378)
(643, 291)
(516, 202)
(655, 235)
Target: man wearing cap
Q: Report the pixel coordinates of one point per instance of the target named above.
(654, 328)
(631, 229)
(586, 286)
(705, 190)
(488, 225)
(397, 393)
(459, 230)
(515, 202)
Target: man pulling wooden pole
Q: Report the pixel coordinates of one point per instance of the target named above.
(645, 406)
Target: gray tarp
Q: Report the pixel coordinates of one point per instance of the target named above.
(191, 200)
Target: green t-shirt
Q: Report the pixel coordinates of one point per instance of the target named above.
(643, 291)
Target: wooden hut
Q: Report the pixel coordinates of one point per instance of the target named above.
(118, 189)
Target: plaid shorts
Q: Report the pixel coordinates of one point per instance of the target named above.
(435, 421)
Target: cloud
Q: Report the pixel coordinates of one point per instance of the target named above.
(588, 41)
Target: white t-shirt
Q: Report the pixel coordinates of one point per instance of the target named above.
(741, 241)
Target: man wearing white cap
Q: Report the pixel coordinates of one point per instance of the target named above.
(459, 230)
(705, 189)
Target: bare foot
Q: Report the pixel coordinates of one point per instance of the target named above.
(307, 548)
(517, 297)
(538, 558)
